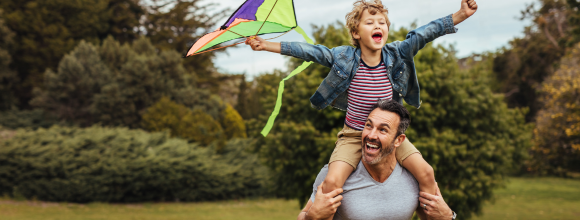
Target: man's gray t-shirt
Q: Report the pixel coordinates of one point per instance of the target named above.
(365, 198)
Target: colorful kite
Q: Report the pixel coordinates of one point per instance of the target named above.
(255, 17)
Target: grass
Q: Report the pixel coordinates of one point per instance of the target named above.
(523, 198)
(535, 198)
(275, 209)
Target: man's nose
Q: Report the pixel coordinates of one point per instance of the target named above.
(373, 135)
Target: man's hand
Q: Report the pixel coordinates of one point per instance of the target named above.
(324, 205)
(436, 207)
(468, 8)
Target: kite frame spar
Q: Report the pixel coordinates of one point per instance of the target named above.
(298, 69)
(226, 28)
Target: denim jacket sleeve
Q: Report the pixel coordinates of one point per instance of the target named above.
(308, 52)
(418, 38)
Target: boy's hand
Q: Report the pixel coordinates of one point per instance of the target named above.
(468, 8)
(257, 43)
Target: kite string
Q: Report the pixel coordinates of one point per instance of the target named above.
(267, 17)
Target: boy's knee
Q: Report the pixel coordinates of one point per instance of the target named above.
(331, 183)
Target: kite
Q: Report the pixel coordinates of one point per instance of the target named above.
(255, 17)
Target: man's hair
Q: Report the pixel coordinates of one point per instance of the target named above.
(353, 17)
(397, 108)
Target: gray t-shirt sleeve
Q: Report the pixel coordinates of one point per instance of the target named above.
(319, 179)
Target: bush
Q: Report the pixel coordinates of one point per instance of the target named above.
(33, 119)
(194, 125)
(123, 165)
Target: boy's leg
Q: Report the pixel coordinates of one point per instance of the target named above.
(338, 172)
(411, 159)
(344, 159)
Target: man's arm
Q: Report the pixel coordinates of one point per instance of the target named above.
(323, 207)
(436, 208)
(308, 52)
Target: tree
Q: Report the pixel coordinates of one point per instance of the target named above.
(176, 25)
(48, 29)
(113, 84)
(557, 134)
(8, 77)
(464, 130)
(521, 68)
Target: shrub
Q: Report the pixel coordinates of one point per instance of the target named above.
(194, 125)
(33, 119)
(123, 165)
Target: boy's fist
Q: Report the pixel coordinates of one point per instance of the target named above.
(469, 7)
(257, 43)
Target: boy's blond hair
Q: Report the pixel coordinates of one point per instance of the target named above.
(353, 17)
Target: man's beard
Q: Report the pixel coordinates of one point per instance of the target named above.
(382, 153)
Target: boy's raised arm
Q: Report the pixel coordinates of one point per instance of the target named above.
(418, 38)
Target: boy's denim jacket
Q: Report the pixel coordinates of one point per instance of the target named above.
(344, 62)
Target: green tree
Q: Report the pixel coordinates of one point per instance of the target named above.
(464, 130)
(8, 77)
(48, 29)
(176, 25)
(557, 133)
(113, 84)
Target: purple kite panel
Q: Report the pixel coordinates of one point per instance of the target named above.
(246, 11)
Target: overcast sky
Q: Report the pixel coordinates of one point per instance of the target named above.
(491, 27)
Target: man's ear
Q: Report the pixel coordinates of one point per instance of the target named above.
(399, 140)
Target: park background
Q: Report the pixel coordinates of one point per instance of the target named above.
(102, 118)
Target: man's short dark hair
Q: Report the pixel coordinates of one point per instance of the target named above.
(395, 107)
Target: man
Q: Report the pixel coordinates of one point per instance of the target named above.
(379, 188)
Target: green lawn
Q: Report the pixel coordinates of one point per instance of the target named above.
(523, 198)
(535, 198)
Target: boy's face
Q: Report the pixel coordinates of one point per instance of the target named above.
(372, 31)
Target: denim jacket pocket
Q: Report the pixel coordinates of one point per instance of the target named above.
(336, 76)
(401, 77)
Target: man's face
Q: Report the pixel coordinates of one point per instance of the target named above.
(378, 137)
(373, 31)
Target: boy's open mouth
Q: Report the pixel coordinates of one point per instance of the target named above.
(378, 37)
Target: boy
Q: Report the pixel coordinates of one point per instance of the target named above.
(363, 74)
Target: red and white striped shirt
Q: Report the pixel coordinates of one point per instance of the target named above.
(368, 86)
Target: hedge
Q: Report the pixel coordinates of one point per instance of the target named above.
(123, 165)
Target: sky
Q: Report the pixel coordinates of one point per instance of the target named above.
(493, 25)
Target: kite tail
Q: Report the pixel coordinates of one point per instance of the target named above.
(299, 69)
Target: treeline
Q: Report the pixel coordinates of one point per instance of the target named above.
(539, 71)
(97, 104)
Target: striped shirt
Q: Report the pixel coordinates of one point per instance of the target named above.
(368, 86)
